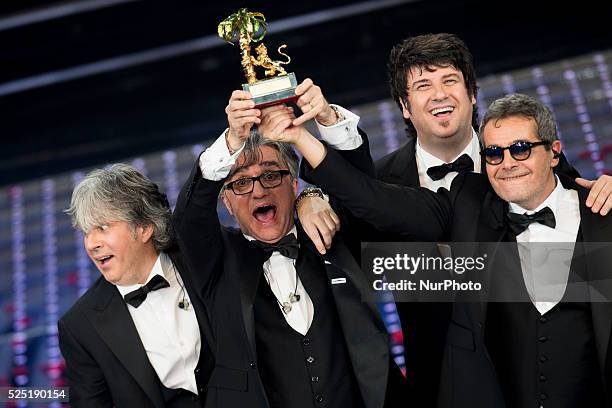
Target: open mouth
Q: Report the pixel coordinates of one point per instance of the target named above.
(265, 213)
(443, 111)
(103, 260)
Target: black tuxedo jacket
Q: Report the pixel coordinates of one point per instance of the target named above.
(470, 212)
(227, 273)
(106, 362)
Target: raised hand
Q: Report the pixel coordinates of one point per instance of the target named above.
(313, 104)
(600, 196)
(241, 116)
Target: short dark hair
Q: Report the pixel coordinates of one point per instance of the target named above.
(425, 51)
(524, 106)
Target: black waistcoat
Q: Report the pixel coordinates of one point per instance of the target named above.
(304, 371)
(548, 360)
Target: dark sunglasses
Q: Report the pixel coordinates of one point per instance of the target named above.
(519, 151)
(269, 179)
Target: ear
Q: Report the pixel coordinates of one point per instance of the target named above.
(405, 110)
(144, 233)
(295, 186)
(556, 150)
(227, 203)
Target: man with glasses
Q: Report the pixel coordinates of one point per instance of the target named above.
(553, 353)
(291, 328)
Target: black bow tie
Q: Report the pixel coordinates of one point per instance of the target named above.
(519, 222)
(288, 246)
(136, 297)
(463, 163)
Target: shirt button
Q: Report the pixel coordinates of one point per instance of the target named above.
(319, 398)
(310, 359)
(253, 365)
(543, 396)
(543, 319)
(306, 342)
(314, 379)
(543, 339)
(543, 359)
(542, 378)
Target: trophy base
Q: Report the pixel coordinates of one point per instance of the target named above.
(272, 91)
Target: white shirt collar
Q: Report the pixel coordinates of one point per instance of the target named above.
(472, 150)
(157, 270)
(552, 201)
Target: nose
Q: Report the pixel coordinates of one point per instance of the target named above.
(259, 190)
(439, 91)
(509, 161)
(91, 241)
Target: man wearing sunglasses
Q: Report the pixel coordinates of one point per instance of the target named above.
(291, 327)
(433, 81)
(538, 354)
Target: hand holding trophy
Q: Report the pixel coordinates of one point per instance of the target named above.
(250, 27)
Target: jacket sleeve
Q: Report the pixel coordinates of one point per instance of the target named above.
(388, 207)
(196, 222)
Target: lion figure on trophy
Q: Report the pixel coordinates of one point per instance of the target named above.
(271, 66)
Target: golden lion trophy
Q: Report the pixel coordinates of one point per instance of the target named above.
(278, 86)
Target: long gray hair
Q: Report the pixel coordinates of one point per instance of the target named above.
(122, 193)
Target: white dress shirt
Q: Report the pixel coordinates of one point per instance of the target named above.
(546, 266)
(280, 273)
(344, 134)
(426, 160)
(170, 335)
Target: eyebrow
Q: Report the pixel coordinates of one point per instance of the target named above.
(420, 81)
(266, 164)
(427, 80)
(514, 141)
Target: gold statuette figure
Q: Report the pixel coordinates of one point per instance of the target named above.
(249, 27)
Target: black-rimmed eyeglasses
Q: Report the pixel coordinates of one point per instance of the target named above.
(519, 151)
(269, 179)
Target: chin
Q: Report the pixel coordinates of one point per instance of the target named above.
(268, 234)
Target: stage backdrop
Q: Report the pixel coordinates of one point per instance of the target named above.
(44, 269)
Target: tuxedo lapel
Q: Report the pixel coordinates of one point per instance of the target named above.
(113, 323)
(246, 261)
(403, 169)
(362, 326)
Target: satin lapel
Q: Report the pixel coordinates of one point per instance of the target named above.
(491, 230)
(114, 325)
(405, 171)
(247, 262)
(363, 328)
